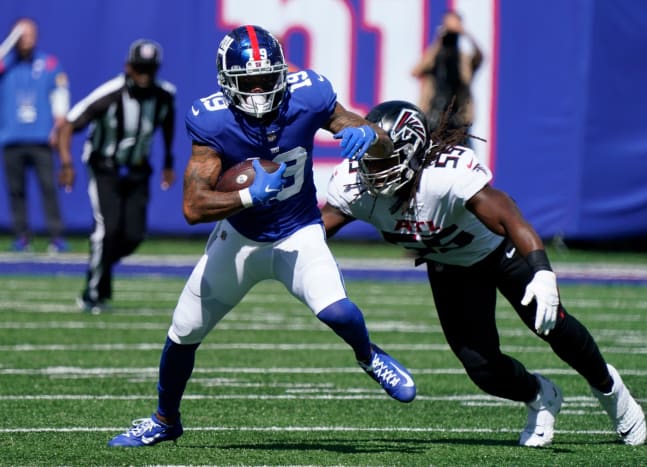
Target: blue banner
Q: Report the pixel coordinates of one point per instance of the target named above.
(559, 98)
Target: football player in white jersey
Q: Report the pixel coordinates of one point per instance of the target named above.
(435, 198)
(273, 228)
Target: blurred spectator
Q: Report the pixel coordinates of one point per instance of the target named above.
(446, 69)
(123, 114)
(34, 98)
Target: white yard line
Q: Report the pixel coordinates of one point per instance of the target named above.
(289, 429)
(62, 371)
(629, 349)
(465, 399)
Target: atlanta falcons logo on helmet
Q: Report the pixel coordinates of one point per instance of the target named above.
(407, 127)
(410, 127)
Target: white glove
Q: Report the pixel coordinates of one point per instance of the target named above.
(543, 288)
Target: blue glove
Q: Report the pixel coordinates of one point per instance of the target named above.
(266, 186)
(356, 141)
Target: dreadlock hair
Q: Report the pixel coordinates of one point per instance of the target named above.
(443, 139)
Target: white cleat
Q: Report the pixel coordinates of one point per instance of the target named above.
(540, 429)
(626, 415)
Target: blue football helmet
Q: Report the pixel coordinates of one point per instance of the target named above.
(252, 70)
(408, 128)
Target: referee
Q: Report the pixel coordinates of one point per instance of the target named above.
(122, 114)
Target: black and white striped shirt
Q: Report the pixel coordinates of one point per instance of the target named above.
(122, 121)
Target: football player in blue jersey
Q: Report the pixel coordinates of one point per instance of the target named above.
(273, 228)
(434, 198)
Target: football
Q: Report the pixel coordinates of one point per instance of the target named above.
(242, 174)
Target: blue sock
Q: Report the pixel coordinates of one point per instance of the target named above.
(176, 366)
(347, 321)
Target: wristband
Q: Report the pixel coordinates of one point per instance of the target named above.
(246, 198)
(538, 261)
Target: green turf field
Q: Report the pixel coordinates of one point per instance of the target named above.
(272, 386)
(194, 245)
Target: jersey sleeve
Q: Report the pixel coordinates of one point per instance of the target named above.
(193, 128)
(8, 61)
(199, 126)
(94, 104)
(473, 176)
(326, 90)
(343, 187)
(315, 91)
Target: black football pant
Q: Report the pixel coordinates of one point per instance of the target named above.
(18, 159)
(119, 206)
(465, 299)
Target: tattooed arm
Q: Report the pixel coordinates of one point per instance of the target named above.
(342, 118)
(201, 201)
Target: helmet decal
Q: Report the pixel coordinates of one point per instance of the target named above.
(224, 45)
(409, 125)
(256, 53)
(252, 70)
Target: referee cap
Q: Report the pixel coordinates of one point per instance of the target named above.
(145, 55)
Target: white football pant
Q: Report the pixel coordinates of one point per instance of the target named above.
(232, 264)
